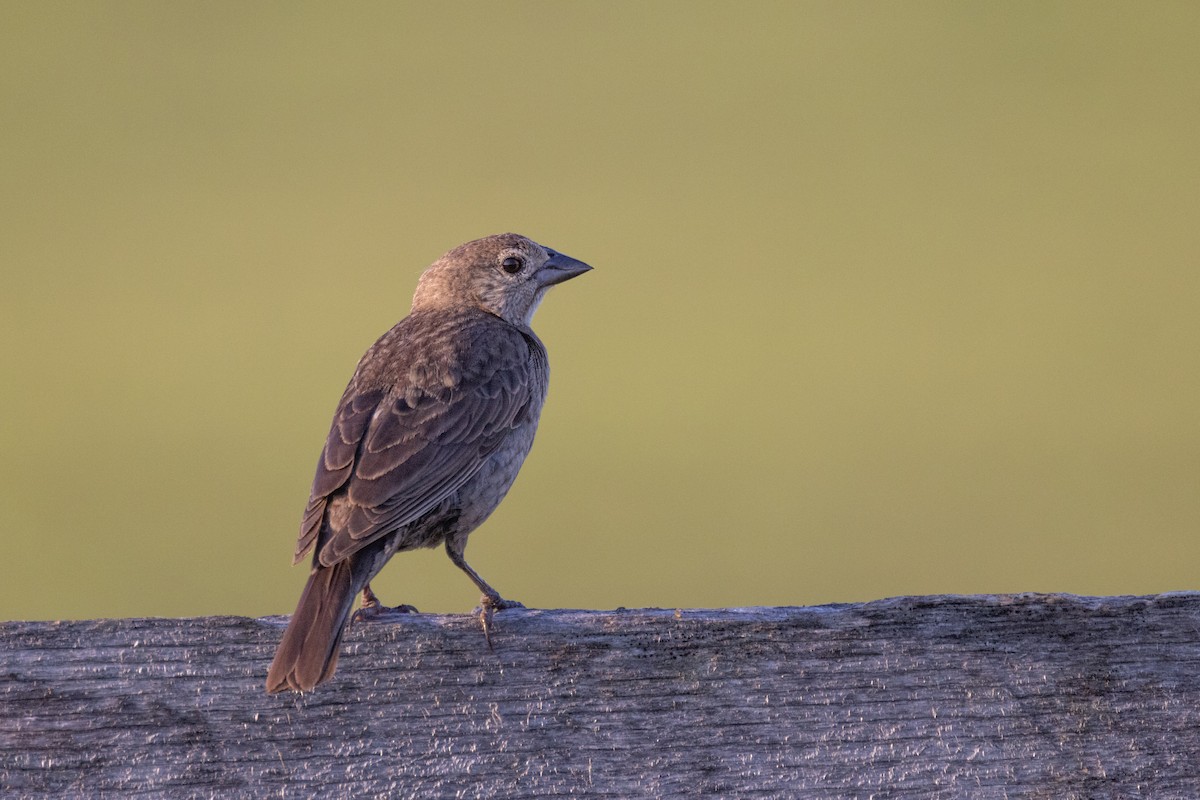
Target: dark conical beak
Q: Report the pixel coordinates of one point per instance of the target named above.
(559, 268)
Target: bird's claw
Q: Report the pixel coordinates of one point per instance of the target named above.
(489, 605)
(376, 611)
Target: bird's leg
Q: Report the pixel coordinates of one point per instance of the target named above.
(490, 596)
(491, 601)
(371, 608)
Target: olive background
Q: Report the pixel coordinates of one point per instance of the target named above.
(888, 298)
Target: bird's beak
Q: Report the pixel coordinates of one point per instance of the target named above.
(559, 268)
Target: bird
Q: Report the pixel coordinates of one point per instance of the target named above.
(426, 440)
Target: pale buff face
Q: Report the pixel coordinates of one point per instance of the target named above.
(501, 274)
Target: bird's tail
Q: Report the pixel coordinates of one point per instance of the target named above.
(308, 652)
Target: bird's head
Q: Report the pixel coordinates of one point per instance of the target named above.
(506, 275)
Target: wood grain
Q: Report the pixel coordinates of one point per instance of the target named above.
(1038, 696)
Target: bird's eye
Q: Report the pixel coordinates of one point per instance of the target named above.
(512, 265)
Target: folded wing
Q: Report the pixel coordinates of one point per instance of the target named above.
(394, 454)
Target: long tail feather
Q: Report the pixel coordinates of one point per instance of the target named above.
(308, 652)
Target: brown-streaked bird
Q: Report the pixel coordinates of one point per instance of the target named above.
(426, 440)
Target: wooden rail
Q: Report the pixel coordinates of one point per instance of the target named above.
(1038, 696)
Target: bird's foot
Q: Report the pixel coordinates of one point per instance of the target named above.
(489, 605)
(372, 609)
(380, 611)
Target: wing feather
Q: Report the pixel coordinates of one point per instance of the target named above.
(395, 453)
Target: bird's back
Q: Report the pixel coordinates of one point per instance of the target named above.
(439, 415)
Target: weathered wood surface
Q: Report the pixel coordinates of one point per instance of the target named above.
(1040, 696)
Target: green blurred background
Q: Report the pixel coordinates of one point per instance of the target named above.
(888, 299)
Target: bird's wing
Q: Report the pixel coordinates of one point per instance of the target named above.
(392, 455)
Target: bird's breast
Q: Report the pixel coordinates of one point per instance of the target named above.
(483, 492)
